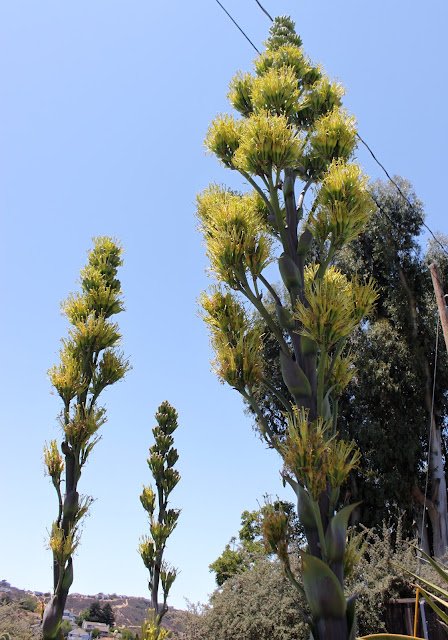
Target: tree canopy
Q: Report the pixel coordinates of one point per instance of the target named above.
(386, 408)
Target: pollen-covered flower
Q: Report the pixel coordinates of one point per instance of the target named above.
(235, 338)
(334, 305)
(53, 461)
(240, 93)
(223, 138)
(276, 92)
(343, 205)
(268, 142)
(235, 234)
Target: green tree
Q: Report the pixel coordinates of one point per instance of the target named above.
(89, 362)
(95, 612)
(108, 616)
(66, 627)
(30, 604)
(238, 557)
(293, 141)
(259, 603)
(162, 520)
(387, 405)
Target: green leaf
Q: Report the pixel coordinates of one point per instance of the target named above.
(351, 617)
(336, 534)
(429, 599)
(323, 591)
(295, 379)
(305, 509)
(443, 574)
(430, 585)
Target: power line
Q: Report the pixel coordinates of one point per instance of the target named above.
(359, 137)
(264, 10)
(401, 193)
(238, 26)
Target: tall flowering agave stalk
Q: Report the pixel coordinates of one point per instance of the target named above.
(162, 520)
(89, 362)
(293, 144)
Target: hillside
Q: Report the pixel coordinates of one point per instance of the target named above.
(129, 611)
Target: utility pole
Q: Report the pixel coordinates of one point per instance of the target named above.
(440, 297)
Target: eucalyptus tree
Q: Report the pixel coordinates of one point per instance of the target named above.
(162, 520)
(388, 407)
(90, 361)
(293, 145)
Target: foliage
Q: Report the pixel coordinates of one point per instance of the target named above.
(30, 604)
(17, 623)
(292, 141)
(435, 586)
(66, 627)
(162, 521)
(108, 615)
(240, 557)
(89, 362)
(259, 603)
(97, 613)
(127, 634)
(388, 402)
(375, 579)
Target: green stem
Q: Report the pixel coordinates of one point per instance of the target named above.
(323, 266)
(335, 416)
(321, 382)
(265, 428)
(320, 530)
(247, 291)
(270, 288)
(293, 580)
(259, 190)
(277, 393)
(278, 214)
(336, 354)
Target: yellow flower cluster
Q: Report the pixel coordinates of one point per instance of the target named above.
(335, 306)
(343, 205)
(235, 234)
(292, 57)
(223, 138)
(82, 425)
(62, 545)
(313, 456)
(268, 142)
(342, 373)
(235, 339)
(276, 92)
(66, 377)
(53, 460)
(276, 531)
(322, 98)
(240, 93)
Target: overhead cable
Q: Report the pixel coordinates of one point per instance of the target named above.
(359, 137)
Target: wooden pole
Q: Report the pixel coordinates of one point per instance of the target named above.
(440, 297)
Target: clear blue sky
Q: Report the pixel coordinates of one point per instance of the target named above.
(104, 108)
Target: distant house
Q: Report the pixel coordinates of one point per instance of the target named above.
(68, 615)
(102, 628)
(79, 634)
